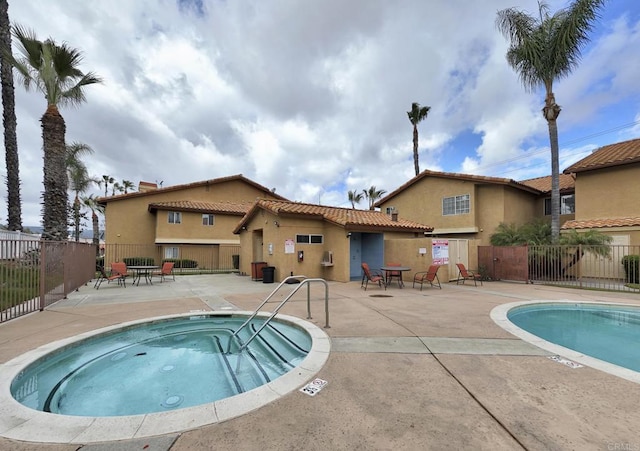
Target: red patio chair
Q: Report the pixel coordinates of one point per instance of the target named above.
(430, 276)
(467, 274)
(165, 271)
(115, 275)
(370, 276)
(390, 275)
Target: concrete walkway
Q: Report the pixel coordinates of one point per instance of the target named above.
(408, 370)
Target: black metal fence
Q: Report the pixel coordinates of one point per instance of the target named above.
(604, 267)
(189, 259)
(36, 273)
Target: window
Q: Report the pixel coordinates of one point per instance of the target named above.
(567, 205)
(208, 220)
(457, 205)
(309, 239)
(390, 210)
(175, 217)
(171, 252)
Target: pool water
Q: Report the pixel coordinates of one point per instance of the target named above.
(159, 366)
(606, 332)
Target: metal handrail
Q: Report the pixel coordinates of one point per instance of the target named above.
(306, 282)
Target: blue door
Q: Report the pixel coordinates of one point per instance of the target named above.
(367, 248)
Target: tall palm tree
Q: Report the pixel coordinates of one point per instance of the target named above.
(91, 203)
(79, 179)
(416, 115)
(52, 69)
(545, 49)
(107, 180)
(372, 194)
(14, 219)
(116, 188)
(355, 198)
(127, 185)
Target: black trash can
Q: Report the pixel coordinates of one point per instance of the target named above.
(268, 274)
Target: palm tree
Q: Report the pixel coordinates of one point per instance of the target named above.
(372, 194)
(52, 69)
(91, 203)
(355, 198)
(127, 185)
(107, 179)
(14, 219)
(416, 115)
(79, 179)
(116, 188)
(541, 51)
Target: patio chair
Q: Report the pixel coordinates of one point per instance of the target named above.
(115, 275)
(165, 271)
(371, 276)
(429, 276)
(467, 274)
(390, 275)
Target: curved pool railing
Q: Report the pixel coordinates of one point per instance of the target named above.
(304, 281)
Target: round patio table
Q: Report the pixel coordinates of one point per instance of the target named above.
(400, 269)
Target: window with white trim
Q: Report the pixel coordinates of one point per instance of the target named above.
(309, 239)
(390, 210)
(567, 205)
(175, 217)
(171, 252)
(456, 205)
(208, 220)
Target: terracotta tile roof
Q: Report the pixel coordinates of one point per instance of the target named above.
(152, 192)
(602, 223)
(231, 208)
(543, 184)
(346, 217)
(480, 179)
(612, 155)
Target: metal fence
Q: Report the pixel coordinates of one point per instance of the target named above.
(189, 259)
(605, 267)
(36, 273)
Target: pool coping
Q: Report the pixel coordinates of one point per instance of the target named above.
(19, 422)
(499, 316)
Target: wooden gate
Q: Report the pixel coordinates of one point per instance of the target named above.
(504, 262)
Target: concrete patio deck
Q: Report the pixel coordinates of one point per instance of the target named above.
(408, 370)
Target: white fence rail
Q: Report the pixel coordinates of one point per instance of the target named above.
(15, 244)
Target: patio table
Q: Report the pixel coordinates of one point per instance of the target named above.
(142, 270)
(400, 269)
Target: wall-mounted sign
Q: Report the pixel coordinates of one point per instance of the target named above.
(289, 246)
(440, 252)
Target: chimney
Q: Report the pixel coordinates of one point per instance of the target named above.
(394, 215)
(144, 187)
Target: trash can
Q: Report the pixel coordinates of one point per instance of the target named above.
(268, 274)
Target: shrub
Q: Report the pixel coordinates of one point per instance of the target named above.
(139, 261)
(631, 265)
(182, 262)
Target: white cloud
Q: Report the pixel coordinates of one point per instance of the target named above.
(311, 97)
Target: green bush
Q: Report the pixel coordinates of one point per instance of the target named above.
(182, 262)
(631, 265)
(139, 261)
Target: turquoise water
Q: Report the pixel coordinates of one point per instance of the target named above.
(159, 366)
(609, 333)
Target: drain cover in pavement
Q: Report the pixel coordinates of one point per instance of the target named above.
(380, 296)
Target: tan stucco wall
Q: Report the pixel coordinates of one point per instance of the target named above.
(334, 239)
(608, 193)
(490, 204)
(129, 221)
(192, 230)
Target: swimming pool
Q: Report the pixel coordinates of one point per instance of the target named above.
(82, 384)
(604, 336)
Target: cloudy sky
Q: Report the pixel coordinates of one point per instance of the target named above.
(310, 97)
